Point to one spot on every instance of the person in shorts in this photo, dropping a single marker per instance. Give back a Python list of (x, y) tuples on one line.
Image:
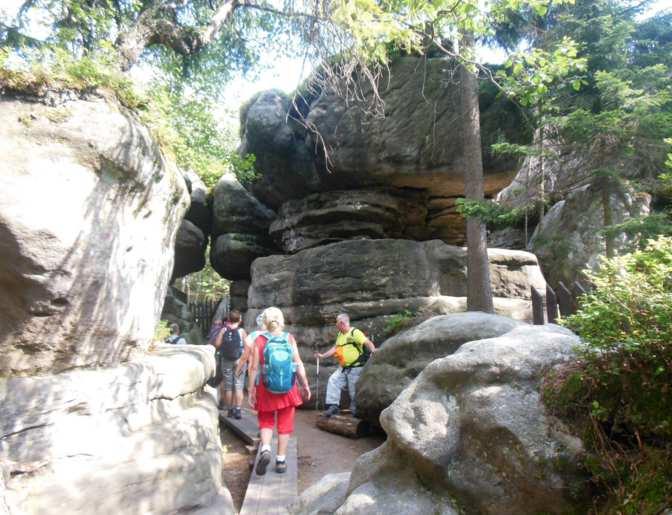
[(232, 369)]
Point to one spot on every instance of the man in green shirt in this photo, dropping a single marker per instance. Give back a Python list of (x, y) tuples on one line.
[(350, 350)]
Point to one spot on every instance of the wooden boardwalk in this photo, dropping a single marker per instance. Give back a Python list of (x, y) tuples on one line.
[(247, 428), (271, 493)]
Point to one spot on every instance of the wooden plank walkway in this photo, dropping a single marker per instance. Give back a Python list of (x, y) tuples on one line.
[(273, 493), (247, 428)]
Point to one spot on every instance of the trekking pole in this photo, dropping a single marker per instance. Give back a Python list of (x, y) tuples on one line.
[(317, 388)]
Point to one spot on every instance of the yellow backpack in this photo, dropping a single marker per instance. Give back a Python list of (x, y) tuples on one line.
[(352, 354)]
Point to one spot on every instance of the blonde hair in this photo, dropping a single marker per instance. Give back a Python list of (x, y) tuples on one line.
[(273, 319)]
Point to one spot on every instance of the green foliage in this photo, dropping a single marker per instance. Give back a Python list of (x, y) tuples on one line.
[(162, 331), (530, 76), (203, 285), (617, 395), (189, 134), (398, 322), (55, 68), (493, 214), (185, 127), (641, 230)]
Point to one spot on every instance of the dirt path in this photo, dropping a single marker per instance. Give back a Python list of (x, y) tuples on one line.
[(320, 453)]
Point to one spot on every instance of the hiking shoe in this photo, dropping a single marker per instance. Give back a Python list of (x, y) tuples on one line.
[(229, 412), (331, 411), (237, 414), (280, 466), (262, 464)]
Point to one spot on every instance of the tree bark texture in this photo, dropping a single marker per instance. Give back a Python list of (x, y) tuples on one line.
[(479, 292), (158, 25)]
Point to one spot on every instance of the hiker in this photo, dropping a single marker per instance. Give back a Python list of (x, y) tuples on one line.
[(275, 392), (260, 329), (175, 338), (230, 343), (215, 328), (352, 350)]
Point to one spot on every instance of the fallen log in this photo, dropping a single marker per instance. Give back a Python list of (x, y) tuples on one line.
[(345, 425)]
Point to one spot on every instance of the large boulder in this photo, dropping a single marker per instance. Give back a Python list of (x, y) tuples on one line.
[(471, 435), (570, 238), (239, 230), (416, 144), (231, 255), (138, 438), (200, 210), (325, 496), (374, 280), (283, 152), (324, 218), (88, 220), (190, 245), (401, 358)]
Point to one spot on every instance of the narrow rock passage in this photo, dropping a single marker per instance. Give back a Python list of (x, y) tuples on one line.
[(319, 453)]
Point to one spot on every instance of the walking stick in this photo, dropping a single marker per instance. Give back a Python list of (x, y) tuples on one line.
[(317, 388)]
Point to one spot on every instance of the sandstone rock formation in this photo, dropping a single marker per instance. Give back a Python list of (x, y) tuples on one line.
[(139, 438), (326, 496), (471, 435), (376, 279), (405, 355), (192, 235), (190, 245), (416, 144), (200, 210), (91, 418), (570, 237), (83, 274), (324, 218), (413, 152), (240, 229)]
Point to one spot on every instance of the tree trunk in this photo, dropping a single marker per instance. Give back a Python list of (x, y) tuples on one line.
[(158, 24), (608, 220), (479, 292)]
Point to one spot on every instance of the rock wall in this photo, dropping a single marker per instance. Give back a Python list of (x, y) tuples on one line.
[(373, 280), (88, 221), (138, 438), (395, 174), (90, 421), (570, 238)]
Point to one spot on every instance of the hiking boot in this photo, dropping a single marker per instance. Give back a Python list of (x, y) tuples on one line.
[(237, 413), (331, 411), (229, 413), (262, 464), (280, 466)]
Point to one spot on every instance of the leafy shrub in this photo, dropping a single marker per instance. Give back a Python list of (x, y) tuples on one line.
[(618, 394), (398, 322), (161, 331)]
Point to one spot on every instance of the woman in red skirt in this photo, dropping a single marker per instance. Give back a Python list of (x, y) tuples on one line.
[(269, 404)]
